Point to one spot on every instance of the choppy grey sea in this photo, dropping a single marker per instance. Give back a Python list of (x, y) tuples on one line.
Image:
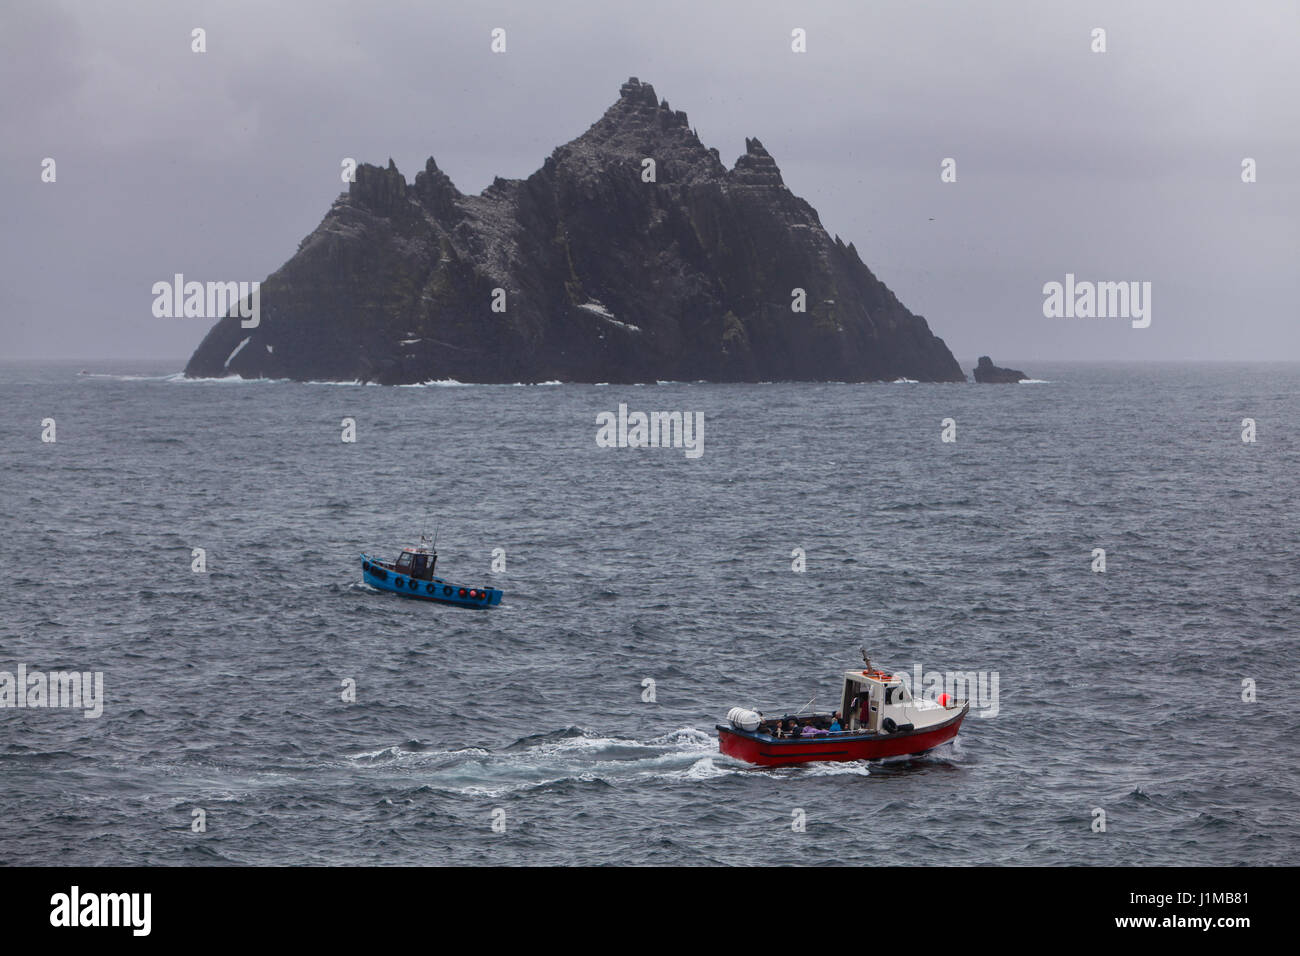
[(1160, 692)]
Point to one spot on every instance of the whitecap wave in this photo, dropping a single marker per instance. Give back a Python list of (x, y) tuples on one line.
[(702, 769), (180, 378), (842, 768), (126, 378)]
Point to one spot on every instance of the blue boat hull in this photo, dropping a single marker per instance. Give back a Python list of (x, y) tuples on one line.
[(384, 578)]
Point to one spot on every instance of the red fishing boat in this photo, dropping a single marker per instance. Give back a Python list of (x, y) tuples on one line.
[(878, 717)]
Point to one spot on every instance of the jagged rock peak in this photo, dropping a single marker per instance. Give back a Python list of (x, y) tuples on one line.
[(756, 167), (637, 93), (383, 189), (436, 191), (638, 104), (637, 126)]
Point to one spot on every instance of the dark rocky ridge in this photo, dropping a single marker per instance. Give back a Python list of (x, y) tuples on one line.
[(989, 374), (608, 278)]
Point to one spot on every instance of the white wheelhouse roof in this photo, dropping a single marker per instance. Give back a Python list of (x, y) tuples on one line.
[(867, 678)]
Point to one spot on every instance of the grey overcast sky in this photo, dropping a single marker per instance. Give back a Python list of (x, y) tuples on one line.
[(1123, 165)]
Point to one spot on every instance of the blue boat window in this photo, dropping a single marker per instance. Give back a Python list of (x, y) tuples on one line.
[(404, 561)]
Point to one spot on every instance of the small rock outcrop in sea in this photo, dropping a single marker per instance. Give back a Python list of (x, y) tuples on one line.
[(988, 373), (632, 255)]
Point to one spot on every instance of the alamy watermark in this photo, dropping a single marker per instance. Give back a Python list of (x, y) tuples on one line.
[(128, 910), (73, 689), (179, 299), (979, 687), (654, 430), (1098, 300)]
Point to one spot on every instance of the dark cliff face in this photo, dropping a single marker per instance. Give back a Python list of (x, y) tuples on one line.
[(607, 278)]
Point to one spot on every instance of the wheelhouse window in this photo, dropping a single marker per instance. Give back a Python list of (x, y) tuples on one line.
[(404, 561)]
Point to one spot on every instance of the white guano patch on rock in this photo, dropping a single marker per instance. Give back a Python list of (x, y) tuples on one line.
[(238, 348), (598, 310)]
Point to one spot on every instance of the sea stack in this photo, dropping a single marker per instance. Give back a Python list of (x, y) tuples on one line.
[(989, 374), (632, 255)]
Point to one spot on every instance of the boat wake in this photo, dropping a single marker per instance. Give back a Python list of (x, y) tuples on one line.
[(548, 760)]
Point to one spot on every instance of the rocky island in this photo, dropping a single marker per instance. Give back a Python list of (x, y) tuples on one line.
[(989, 374), (633, 255)]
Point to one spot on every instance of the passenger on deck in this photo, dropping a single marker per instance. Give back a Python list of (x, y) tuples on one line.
[(835, 724)]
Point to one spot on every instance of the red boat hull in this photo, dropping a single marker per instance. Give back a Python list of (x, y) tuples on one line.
[(769, 752)]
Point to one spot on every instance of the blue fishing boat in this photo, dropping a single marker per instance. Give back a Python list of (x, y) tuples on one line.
[(411, 575)]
